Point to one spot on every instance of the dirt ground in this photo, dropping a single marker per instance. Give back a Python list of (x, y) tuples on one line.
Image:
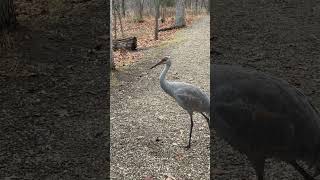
[(148, 129), (54, 97), (277, 37)]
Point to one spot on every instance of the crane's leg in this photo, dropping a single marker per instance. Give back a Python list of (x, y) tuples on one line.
[(208, 120), (301, 170), (190, 134), (258, 165)]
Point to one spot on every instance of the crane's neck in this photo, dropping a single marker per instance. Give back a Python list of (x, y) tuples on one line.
[(165, 85)]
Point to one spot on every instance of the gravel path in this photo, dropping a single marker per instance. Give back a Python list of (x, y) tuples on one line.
[(148, 129)]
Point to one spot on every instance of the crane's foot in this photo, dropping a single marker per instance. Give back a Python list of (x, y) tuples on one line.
[(187, 147)]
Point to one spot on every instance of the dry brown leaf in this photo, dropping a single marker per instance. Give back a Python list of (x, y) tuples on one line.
[(149, 178)]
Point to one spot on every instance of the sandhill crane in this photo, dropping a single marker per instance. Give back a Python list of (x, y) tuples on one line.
[(189, 97), (264, 117)]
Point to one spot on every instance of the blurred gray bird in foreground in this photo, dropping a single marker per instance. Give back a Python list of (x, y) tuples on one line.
[(264, 117), (189, 97)]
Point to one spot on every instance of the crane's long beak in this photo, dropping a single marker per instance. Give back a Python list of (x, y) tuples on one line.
[(156, 64)]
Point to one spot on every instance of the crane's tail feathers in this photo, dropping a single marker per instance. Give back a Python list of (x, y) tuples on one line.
[(208, 120)]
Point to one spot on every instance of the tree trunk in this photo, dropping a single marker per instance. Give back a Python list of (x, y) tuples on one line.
[(180, 13), (196, 6), (112, 64), (141, 9), (115, 23), (157, 10), (138, 10), (190, 4), (7, 14), (150, 8), (202, 4), (123, 8), (117, 12)]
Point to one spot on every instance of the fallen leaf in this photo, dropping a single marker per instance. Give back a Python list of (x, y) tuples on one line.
[(149, 178)]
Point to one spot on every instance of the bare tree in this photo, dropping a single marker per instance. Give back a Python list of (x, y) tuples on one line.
[(150, 6), (117, 14), (180, 13), (196, 6), (138, 10), (112, 64), (123, 7), (189, 3), (202, 4), (7, 14), (114, 19), (157, 10)]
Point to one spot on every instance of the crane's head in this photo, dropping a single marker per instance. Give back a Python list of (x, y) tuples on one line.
[(165, 60)]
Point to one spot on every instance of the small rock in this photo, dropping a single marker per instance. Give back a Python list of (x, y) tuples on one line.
[(62, 113), (140, 137), (169, 177), (160, 118), (27, 37)]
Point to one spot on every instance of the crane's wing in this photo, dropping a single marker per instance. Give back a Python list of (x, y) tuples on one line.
[(192, 98), (280, 103), (263, 129)]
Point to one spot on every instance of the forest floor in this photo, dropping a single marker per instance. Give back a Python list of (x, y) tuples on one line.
[(54, 92), (148, 129), (144, 32), (280, 38)]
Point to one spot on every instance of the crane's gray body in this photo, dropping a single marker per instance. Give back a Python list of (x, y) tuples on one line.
[(262, 116), (189, 97)]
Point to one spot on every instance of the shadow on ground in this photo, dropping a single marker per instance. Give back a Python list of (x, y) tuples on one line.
[(54, 97)]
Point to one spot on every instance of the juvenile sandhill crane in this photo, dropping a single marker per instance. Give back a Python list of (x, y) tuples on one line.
[(264, 117), (189, 97)]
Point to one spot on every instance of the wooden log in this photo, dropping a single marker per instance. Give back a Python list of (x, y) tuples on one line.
[(126, 43)]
